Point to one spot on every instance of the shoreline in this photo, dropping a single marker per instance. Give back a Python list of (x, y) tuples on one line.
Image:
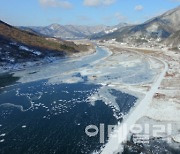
[(135, 113), (29, 74), (47, 60), (111, 145)]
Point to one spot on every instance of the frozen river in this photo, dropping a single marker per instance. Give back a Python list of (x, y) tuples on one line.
[(46, 109)]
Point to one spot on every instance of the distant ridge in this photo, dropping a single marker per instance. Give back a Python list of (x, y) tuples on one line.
[(160, 29), (72, 31), (22, 48), (35, 40)]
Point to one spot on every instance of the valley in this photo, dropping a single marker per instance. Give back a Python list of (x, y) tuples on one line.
[(77, 89)]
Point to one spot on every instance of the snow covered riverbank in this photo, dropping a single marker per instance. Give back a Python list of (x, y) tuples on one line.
[(160, 105)]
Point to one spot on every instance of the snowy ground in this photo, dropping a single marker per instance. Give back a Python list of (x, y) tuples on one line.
[(161, 104)]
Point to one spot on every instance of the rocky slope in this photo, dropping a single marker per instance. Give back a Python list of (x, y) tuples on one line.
[(174, 40), (18, 47), (152, 31)]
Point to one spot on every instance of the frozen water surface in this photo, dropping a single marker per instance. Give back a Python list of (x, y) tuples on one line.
[(54, 103)]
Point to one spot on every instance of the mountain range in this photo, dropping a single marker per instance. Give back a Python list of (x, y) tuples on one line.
[(163, 29), (72, 31), (19, 46), (27, 44)]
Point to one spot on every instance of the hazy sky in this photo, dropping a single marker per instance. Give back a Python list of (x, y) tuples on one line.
[(85, 12)]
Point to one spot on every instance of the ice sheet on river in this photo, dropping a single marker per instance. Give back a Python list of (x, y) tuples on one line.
[(116, 70), (78, 89)]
